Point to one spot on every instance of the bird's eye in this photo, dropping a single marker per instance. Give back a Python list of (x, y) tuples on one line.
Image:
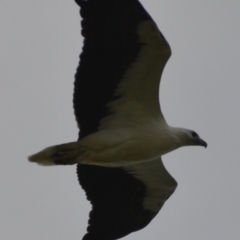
[(194, 134)]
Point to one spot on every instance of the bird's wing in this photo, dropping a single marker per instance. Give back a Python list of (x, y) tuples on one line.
[(126, 199), (123, 56)]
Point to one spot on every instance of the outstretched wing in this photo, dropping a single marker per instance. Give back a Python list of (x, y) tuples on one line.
[(121, 63), (125, 199)]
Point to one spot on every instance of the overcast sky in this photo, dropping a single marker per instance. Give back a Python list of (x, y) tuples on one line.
[(39, 47)]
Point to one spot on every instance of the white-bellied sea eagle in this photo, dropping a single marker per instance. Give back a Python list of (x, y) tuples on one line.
[(122, 132)]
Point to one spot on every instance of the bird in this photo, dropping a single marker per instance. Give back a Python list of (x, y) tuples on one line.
[(122, 131)]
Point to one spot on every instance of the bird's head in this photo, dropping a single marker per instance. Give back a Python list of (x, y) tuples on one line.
[(188, 137)]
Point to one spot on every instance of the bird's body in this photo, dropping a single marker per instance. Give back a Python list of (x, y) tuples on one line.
[(123, 133), (125, 146)]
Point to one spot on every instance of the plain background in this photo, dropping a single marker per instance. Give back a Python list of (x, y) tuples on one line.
[(39, 47)]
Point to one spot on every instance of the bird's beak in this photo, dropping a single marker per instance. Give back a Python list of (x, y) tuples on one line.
[(201, 142)]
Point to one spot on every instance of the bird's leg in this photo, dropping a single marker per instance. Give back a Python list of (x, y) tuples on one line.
[(64, 154)]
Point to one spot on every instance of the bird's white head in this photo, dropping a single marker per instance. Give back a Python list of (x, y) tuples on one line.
[(186, 137)]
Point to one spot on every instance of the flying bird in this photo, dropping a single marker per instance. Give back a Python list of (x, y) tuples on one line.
[(122, 131)]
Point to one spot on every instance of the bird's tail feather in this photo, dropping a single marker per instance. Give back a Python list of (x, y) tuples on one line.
[(63, 154)]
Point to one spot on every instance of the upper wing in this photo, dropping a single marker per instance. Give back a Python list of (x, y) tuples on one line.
[(121, 63), (124, 199)]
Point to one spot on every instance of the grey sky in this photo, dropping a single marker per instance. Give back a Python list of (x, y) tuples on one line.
[(40, 43)]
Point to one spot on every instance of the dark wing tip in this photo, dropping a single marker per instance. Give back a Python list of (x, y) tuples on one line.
[(80, 2)]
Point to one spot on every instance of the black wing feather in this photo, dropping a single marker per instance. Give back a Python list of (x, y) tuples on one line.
[(116, 198), (110, 46)]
